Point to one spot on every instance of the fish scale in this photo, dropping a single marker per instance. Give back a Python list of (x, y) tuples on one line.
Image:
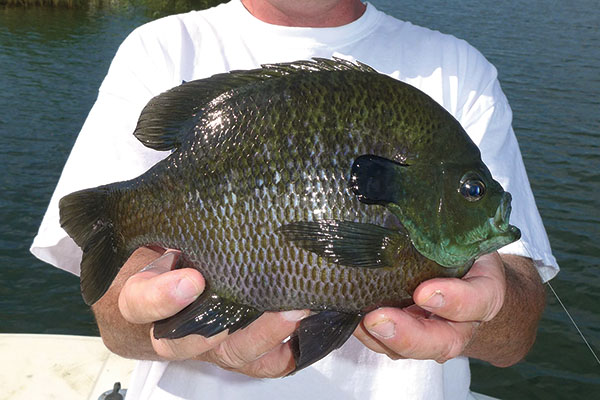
[(317, 184)]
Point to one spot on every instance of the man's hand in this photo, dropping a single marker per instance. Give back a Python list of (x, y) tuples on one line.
[(490, 314), (157, 292)]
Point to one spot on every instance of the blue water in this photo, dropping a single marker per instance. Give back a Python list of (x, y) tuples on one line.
[(548, 57), (51, 63)]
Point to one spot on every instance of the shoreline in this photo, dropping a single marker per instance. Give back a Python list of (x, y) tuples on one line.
[(152, 8)]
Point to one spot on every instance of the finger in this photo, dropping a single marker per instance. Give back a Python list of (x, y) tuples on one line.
[(276, 363), (259, 338), (375, 345), (213, 348), (191, 346), (418, 338), (479, 296), (362, 334), (156, 292)]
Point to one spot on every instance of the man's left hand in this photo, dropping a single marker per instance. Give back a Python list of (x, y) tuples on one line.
[(445, 317)]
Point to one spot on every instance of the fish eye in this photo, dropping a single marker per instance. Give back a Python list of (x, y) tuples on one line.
[(472, 189)]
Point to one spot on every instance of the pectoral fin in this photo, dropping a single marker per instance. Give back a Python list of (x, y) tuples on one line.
[(207, 316), (348, 243), (320, 334)]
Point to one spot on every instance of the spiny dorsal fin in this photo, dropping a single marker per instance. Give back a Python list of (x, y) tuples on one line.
[(318, 64), (168, 118)]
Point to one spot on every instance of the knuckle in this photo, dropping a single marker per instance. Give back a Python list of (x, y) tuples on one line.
[(452, 350), (461, 311), (394, 356), (269, 365), (267, 373), (445, 355), (125, 305), (193, 346), (455, 346), (135, 308), (167, 349), (143, 301), (267, 368), (154, 305), (494, 306), (268, 338), (229, 355), (408, 347), (271, 373)]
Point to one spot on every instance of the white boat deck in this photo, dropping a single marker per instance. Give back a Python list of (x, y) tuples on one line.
[(58, 367), (66, 367)]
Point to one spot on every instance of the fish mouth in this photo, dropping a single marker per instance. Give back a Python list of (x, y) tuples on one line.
[(499, 223)]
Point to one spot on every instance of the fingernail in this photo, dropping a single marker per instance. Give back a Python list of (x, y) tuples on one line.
[(383, 329), (294, 315), (436, 300), (186, 290)]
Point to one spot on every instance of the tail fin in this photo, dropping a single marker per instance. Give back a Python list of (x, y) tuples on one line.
[(85, 216)]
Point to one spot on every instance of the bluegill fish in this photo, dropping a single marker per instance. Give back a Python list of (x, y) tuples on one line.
[(315, 184)]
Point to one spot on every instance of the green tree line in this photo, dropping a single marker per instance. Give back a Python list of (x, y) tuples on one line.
[(153, 8)]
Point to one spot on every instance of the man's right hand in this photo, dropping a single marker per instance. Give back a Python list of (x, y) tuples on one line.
[(148, 290)]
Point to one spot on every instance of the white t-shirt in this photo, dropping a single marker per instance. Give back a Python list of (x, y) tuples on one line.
[(163, 53)]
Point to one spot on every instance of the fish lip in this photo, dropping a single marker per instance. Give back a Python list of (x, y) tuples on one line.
[(500, 222)]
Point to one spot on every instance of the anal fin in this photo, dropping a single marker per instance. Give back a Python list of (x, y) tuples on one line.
[(320, 334), (208, 315)]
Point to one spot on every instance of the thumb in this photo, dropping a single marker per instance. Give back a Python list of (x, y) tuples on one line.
[(157, 292), (478, 296)]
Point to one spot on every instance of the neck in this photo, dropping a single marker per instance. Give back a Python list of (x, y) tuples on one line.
[(306, 13)]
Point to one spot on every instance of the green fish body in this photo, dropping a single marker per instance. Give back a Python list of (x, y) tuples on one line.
[(316, 184)]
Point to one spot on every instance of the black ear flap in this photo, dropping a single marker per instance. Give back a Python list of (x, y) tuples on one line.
[(376, 180)]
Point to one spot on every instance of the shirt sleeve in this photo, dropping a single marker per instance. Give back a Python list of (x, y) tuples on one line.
[(105, 150), (487, 117)]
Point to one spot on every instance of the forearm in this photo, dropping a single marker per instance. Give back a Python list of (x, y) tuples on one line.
[(506, 339), (120, 336)]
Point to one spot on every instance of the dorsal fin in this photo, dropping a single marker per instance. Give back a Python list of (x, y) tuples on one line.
[(168, 117), (317, 64)]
